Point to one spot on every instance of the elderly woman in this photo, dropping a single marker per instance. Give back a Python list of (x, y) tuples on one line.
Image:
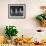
[(42, 17)]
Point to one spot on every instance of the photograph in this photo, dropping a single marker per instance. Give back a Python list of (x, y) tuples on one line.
[(22, 22), (16, 11)]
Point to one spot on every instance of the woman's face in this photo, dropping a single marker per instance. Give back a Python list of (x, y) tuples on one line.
[(44, 10)]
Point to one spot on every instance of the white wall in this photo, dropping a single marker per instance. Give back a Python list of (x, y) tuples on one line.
[(25, 26)]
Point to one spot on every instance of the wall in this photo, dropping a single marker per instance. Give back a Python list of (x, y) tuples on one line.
[(25, 26)]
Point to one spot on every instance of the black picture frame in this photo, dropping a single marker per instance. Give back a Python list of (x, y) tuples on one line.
[(16, 11)]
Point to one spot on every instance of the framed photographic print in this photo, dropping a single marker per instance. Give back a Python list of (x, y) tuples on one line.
[(16, 11)]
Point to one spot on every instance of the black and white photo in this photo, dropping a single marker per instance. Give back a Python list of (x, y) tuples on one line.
[(16, 11)]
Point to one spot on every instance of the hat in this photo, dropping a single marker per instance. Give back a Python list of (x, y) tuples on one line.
[(42, 7)]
